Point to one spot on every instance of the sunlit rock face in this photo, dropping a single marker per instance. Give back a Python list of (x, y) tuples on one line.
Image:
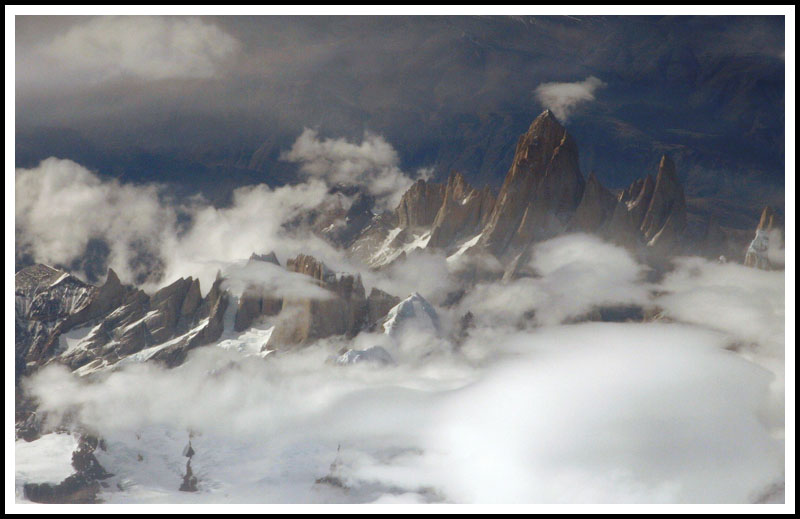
[(541, 190), (419, 205), (544, 195), (345, 311), (464, 211)]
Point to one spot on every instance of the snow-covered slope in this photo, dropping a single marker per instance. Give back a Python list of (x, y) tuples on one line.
[(413, 312)]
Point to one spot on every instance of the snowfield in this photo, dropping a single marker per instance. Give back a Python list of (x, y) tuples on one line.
[(684, 409)]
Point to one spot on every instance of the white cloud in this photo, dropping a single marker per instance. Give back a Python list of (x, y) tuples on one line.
[(564, 98), (577, 272), (253, 223), (373, 164), (60, 205), (594, 412), (147, 47), (273, 279), (747, 304), (584, 413)]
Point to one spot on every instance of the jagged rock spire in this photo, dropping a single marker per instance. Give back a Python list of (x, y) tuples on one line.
[(542, 189), (596, 207), (464, 211), (419, 205), (668, 203)]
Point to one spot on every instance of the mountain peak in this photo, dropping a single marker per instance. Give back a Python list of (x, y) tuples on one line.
[(667, 168), (767, 220), (546, 122), (541, 190), (267, 258)]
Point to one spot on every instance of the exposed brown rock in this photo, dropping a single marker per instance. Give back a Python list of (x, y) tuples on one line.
[(768, 230), (767, 220), (303, 320), (651, 212), (666, 214), (379, 303), (463, 213), (255, 301), (419, 205), (266, 258), (167, 303), (541, 190), (596, 207), (81, 487)]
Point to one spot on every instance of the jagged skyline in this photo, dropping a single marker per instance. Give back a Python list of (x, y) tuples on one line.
[(402, 260)]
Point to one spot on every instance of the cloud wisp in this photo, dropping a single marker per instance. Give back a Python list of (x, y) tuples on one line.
[(60, 206), (145, 47), (565, 98), (373, 163)]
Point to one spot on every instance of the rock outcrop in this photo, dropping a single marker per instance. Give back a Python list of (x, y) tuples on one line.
[(665, 219), (413, 312), (379, 303), (343, 311), (650, 212), (544, 194), (81, 487), (255, 300), (419, 205), (762, 251), (111, 322), (49, 302), (463, 213), (541, 190), (595, 208)]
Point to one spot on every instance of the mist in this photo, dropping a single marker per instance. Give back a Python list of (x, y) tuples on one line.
[(686, 409)]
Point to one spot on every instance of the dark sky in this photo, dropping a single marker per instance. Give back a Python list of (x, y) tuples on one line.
[(211, 103)]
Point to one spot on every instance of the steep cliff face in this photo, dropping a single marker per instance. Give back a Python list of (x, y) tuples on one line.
[(343, 312), (463, 213), (543, 195), (379, 303), (541, 190), (596, 207), (47, 302), (419, 205), (60, 318), (255, 300), (665, 219), (650, 212)]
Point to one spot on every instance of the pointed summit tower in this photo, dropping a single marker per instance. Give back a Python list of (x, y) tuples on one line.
[(541, 190)]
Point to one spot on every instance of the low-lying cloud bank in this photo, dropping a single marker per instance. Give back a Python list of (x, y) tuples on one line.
[(576, 272), (585, 413), (61, 208), (687, 411)]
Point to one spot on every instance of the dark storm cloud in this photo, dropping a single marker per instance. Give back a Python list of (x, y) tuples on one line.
[(187, 99)]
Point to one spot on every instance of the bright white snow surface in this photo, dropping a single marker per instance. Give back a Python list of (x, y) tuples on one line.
[(45, 460), (686, 411), (415, 312)]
